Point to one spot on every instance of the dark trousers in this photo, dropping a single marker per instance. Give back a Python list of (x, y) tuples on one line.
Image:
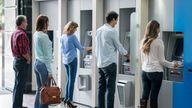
[(107, 82), (71, 70), (20, 67), (151, 85)]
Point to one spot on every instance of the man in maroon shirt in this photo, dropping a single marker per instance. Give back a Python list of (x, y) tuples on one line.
[(22, 58)]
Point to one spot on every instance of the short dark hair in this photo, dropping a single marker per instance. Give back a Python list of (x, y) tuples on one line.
[(20, 19), (111, 15), (41, 23)]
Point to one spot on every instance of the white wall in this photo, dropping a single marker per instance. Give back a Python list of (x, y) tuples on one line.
[(83, 97), (127, 3), (74, 13), (162, 11), (10, 15), (35, 13), (50, 9), (86, 4)]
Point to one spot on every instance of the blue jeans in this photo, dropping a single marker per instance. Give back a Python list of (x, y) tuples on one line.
[(107, 82), (71, 70), (20, 67), (41, 77)]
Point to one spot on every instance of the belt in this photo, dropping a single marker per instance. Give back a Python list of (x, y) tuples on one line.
[(19, 58)]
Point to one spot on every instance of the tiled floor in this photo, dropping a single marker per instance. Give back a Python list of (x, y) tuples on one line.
[(6, 102)]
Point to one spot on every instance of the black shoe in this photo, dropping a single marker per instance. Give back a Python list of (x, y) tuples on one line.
[(143, 103), (24, 107), (153, 104), (64, 101), (71, 105)]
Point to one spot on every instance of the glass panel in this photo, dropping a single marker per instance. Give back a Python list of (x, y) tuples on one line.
[(86, 38)]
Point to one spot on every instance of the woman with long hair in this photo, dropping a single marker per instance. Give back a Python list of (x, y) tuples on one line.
[(153, 60), (69, 44), (43, 56)]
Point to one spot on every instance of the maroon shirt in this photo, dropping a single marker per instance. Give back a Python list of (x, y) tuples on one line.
[(20, 44)]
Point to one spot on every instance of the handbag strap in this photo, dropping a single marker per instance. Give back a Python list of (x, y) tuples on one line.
[(50, 80)]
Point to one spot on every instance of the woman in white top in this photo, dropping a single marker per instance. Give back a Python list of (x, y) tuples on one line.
[(153, 60)]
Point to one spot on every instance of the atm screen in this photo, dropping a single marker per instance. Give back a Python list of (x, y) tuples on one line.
[(50, 34), (88, 39), (179, 47)]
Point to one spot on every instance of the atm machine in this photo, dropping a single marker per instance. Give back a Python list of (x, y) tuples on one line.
[(173, 49), (126, 66), (178, 41), (127, 35), (174, 42), (84, 92), (85, 60)]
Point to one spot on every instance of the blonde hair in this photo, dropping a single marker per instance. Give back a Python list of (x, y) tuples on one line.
[(150, 35), (70, 27)]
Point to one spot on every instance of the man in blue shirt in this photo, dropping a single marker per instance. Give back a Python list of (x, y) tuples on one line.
[(107, 45)]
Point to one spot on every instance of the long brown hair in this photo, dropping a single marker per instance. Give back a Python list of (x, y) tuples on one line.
[(151, 33), (42, 23), (70, 27)]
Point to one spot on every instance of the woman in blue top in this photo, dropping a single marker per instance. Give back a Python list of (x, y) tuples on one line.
[(43, 56), (69, 44)]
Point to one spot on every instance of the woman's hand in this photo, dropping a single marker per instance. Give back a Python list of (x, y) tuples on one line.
[(176, 64), (88, 48), (127, 56), (50, 75)]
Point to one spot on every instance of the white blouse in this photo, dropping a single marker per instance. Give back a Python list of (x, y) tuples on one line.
[(155, 61)]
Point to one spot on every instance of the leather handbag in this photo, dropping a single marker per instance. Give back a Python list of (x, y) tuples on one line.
[(50, 93)]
